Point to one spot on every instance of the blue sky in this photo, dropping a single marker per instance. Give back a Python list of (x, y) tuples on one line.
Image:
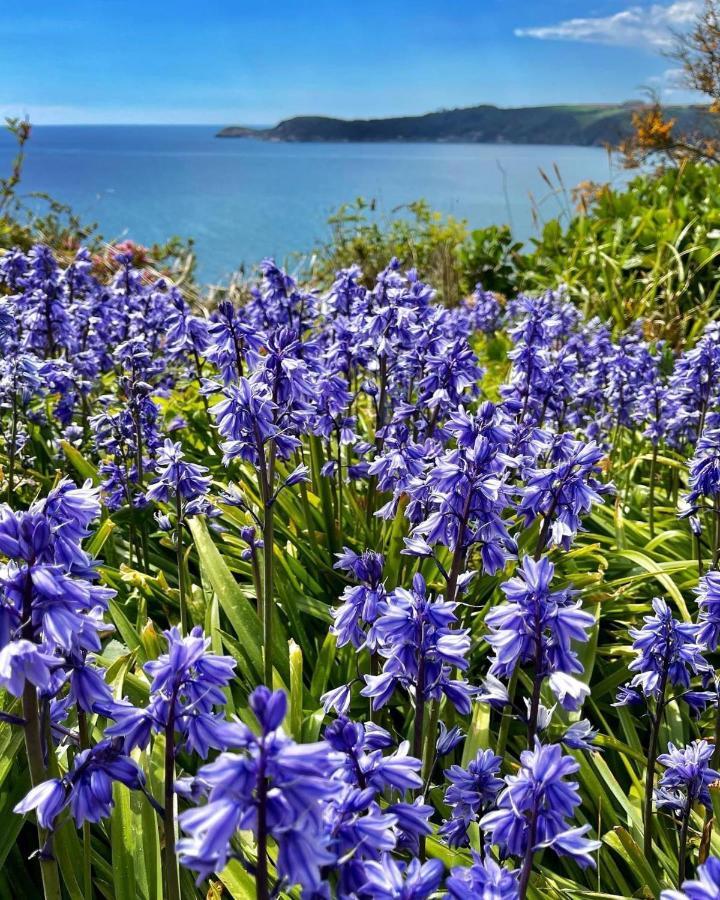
[(240, 61)]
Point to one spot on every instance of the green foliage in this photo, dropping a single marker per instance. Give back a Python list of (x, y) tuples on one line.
[(489, 256), (647, 251), (415, 234)]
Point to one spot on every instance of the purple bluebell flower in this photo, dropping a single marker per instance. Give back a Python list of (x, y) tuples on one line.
[(272, 787), (667, 653), (580, 736), (86, 788), (390, 879), (462, 500), (448, 740), (472, 792), (539, 626), (708, 594), (248, 418), (561, 494), (483, 880), (359, 830), (534, 809), (363, 762), (693, 389), (704, 477), (186, 692), (233, 342), (50, 608), (686, 778), (176, 477), (706, 886), (419, 638), (361, 604), (21, 661), (483, 311), (126, 432)]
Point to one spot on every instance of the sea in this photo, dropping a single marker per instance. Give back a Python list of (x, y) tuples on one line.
[(244, 199)]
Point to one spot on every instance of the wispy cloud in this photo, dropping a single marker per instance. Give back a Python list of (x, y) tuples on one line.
[(637, 26)]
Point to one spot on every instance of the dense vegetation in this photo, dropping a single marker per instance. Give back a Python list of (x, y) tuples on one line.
[(336, 589)]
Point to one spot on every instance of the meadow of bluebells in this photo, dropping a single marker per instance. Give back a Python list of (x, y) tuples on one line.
[(336, 591)]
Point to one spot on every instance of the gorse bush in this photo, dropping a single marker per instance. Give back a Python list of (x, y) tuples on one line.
[(348, 593)]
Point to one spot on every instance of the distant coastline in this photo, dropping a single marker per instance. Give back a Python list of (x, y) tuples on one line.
[(593, 125)]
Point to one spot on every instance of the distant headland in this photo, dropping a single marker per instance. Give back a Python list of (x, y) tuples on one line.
[(592, 125)]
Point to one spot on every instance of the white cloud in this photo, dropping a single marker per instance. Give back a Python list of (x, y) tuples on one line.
[(671, 88), (669, 79), (637, 26)]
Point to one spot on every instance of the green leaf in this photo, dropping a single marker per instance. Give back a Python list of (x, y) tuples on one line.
[(123, 836), (662, 576), (295, 718), (623, 843), (82, 466), (234, 604), (323, 666), (240, 884), (126, 628), (478, 736)]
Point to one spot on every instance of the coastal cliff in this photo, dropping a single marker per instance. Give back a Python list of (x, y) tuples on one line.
[(592, 125)]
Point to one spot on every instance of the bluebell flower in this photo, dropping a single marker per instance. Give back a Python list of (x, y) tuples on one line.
[(667, 653), (86, 788), (693, 389), (539, 626), (273, 782), (419, 637), (484, 310), (412, 823), (185, 332), (704, 477), (536, 806), (706, 886), (233, 343), (493, 692), (361, 604), (358, 830), (708, 594), (363, 762), (472, 792), (686, 778), (186, 691), (463, 499), (580, 736), (483, 880), (448, 740), (176, 477), (390, 879), (248, 418), (22, 661), (563, 493), (50, 608)]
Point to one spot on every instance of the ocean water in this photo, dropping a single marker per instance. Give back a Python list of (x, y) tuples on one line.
[(242, 200)]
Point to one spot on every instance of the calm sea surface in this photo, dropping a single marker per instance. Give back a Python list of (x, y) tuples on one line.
[(242, 200)]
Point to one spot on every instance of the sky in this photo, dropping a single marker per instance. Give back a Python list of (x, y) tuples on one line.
[(244, 62)]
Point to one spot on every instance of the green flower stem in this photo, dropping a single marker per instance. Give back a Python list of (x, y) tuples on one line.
[(182, 587), (33, 748), (87, 851)]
